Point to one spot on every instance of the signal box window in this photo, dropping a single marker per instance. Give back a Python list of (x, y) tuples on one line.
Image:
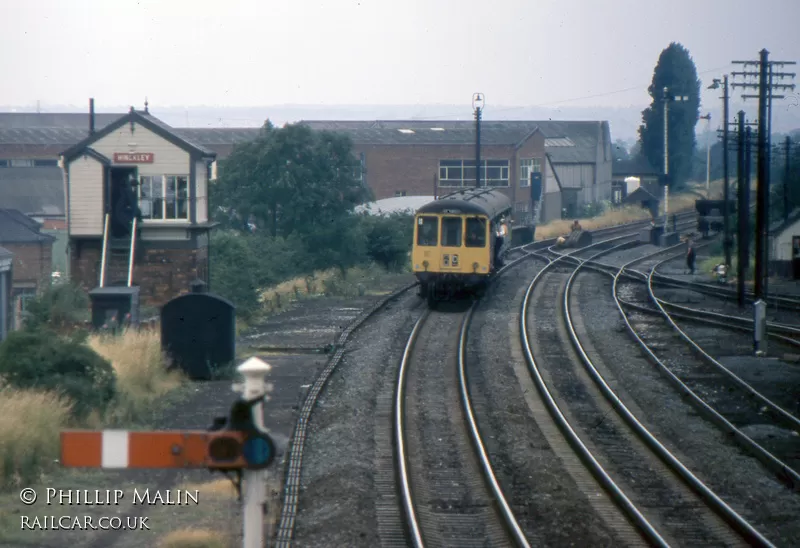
[(476, 233), (427, 231), (451, 232)]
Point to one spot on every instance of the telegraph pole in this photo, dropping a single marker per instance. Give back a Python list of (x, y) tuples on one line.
[(477, 104), (743, 236), (726, 241), (786, 207), (765, 96)]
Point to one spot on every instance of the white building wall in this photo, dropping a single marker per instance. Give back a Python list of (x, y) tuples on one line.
[(85, 196)]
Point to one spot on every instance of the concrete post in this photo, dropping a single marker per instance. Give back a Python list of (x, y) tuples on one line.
[(255, 481), (760, 327)]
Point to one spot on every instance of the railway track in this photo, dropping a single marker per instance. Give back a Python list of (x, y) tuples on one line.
[(616, 447), (720, 395), (295, 450), (449, 491)]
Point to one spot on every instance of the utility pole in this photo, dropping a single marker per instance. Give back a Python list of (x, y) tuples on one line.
[(743, 236), (477, 105), (786, 206), (726, 241), (765, 96)]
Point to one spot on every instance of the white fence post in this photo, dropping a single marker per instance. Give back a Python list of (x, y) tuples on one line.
[(255, 481)]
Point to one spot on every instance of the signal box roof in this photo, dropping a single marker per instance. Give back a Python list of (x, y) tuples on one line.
[(480, 201)]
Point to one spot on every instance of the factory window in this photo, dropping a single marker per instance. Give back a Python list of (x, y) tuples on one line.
[(427, 230), (462, 172), (4, 163), (45, 163), (164, 197), (526, 167), (399, 193), (451, 231), (476, 232), (522, 207), (21, 163)]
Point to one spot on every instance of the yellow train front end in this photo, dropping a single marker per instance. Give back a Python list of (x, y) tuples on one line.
[(451, 253)]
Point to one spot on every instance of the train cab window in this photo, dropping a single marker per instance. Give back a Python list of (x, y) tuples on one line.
[(427, 230), (476, 232), (451, 231)]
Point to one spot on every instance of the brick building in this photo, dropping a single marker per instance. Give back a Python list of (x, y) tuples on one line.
[(407, 156), (32, 254), (138, 161), (398, 157)]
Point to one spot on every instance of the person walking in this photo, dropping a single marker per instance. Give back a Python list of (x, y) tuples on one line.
[(690, 257)]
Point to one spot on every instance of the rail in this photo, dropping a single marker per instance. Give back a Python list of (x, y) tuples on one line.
[(133, 247), (105, 250), (780, 469)]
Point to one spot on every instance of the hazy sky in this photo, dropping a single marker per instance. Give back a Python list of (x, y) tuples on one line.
[(267, 52)]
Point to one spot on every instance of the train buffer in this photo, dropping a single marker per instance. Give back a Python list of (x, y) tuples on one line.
[(237, 444)]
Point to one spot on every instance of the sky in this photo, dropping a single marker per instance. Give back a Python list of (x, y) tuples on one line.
[(378, 52)]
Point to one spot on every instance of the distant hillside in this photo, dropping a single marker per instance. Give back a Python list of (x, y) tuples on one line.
[(624, 121)]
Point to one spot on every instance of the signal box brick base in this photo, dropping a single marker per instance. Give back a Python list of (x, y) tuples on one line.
[(161, 274)]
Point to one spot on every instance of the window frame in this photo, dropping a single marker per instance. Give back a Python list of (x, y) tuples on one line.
[(484, 241), (526, 167), (163, 198), (460, 231), (462, 166), (424, 218)]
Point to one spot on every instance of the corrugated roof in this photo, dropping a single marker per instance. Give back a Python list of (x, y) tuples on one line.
[(571, 141), (5, 254), (65, 120), (13, 230), (32, 189), (566, 141)]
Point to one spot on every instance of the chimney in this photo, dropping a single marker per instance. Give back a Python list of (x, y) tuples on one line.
[(91, 116)]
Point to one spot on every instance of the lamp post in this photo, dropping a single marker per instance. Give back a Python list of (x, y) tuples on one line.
[(477, 106), (667, 99), (726, 242)]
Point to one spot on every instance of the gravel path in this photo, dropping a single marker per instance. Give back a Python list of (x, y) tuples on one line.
[(337, 503), (738, 478)]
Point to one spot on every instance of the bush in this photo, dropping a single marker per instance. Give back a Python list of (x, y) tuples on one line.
[(41, 359), (57, 307), (389, 239)]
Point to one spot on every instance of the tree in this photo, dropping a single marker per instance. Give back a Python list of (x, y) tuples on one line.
[(675, 71), (620, 150), (290, 179)]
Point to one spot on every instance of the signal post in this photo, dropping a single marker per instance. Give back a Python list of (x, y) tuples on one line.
[(235, 444)]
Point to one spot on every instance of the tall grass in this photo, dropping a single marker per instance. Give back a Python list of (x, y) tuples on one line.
[(354, 282), (142, 371), (30, 420)]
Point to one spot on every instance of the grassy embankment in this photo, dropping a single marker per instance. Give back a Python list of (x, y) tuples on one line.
[(30, 420), (677, 202)]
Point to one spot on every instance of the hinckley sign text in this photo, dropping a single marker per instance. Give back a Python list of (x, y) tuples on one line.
[(133, 157)]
